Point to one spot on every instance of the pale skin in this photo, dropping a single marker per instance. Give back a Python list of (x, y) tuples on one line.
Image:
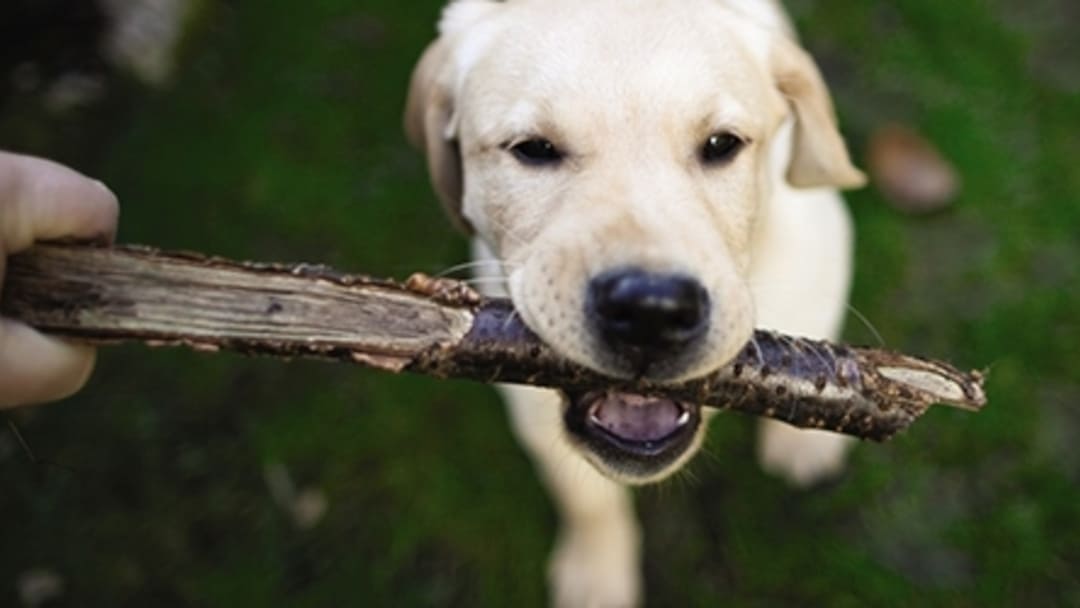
[(41, 200)]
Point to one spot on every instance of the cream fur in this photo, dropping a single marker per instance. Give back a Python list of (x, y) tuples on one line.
[(629, 90)]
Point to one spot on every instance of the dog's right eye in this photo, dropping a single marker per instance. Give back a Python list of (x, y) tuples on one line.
[(720, 148), (536, 151)]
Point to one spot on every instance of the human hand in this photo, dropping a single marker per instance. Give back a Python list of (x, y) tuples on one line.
[(42, 200)]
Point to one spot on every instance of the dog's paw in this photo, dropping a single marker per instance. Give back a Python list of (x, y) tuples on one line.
[(595, 568), (802, 457)]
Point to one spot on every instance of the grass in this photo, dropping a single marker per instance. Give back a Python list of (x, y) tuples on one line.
[(281, 140)]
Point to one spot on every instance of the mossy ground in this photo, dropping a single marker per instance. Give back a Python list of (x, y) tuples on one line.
[(280, 140)]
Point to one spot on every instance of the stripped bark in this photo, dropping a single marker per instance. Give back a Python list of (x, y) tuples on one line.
[(440, 327)]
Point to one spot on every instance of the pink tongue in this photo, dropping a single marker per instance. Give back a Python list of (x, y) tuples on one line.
[(636, 418)]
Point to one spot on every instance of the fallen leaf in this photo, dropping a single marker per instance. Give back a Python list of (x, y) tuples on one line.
[(910, 171), (38, 586)]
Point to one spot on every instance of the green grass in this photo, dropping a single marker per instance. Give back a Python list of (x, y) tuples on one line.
[(281, 140)]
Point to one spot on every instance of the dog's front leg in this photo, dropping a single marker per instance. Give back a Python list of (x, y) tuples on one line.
[(596, 557)]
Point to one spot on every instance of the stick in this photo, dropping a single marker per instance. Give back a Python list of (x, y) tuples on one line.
[(442, 328)]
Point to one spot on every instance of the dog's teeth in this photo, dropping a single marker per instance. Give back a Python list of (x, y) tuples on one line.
[(593, 418), (683, 419)]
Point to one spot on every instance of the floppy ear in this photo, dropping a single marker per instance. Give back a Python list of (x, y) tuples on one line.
[(430, 126), (819, 156), (430, 113)]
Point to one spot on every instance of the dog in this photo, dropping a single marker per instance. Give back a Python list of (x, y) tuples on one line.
[(648, 181)]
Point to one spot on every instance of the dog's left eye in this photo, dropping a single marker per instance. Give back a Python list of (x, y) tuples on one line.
[(720, 148), (536, 151)]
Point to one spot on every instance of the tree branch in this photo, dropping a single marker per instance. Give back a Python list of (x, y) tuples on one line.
[(440, 327)]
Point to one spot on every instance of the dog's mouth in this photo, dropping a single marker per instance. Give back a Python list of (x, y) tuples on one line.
[(635, 436), (643, 424)]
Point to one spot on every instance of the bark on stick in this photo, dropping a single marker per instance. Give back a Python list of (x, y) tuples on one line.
[(440, 327)]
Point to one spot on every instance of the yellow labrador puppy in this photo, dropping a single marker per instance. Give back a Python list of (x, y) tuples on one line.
[(648, 180)]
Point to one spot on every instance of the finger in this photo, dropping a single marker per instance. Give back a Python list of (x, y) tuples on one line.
[(35, 368), (42, 200)]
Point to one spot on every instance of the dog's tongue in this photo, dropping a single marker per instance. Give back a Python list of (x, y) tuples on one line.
[(636, 417)]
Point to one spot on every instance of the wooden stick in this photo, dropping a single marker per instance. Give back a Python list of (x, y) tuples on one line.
[(439, 327)]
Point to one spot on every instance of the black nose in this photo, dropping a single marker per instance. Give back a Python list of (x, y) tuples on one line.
[(647, 311)]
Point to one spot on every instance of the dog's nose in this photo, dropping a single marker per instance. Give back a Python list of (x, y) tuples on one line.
[(647, 311)]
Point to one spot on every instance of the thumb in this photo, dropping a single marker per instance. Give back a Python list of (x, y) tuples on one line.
[(35, 368)]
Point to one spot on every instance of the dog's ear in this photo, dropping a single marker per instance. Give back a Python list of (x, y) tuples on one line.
[(819, 156), (430, 113), (429, 124)]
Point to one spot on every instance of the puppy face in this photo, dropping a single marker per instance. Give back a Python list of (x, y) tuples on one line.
[(615, 158)]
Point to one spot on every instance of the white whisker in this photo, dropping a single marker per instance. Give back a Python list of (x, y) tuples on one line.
[(866, 323), (498, 265), (863, 320), (460, 267), (757, 349), (509, 319), (828, 365), (505, 230)]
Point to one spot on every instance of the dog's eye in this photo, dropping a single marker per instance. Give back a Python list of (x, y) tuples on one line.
[(536, 151), (720, 148)]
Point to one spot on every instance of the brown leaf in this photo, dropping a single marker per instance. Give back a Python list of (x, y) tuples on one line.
[(909, 170)]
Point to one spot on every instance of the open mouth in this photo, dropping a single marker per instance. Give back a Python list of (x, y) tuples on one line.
[(635, 434)]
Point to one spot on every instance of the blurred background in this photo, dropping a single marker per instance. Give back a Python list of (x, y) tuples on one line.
[(270, 131)]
